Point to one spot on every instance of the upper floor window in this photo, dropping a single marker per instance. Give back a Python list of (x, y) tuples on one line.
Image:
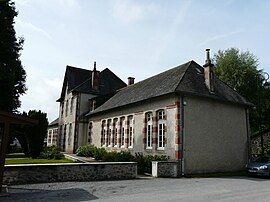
[(149, 129), (161, 128), (62, 109), (67, 107), (71, 105)]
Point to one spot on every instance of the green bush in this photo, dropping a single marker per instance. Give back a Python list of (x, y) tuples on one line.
[(51, 153), (124, 156), (98, 153), (145, 162), (110, 156), (86, 150)]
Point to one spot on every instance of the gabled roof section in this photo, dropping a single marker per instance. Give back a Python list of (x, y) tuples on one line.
[(187, 78), (55, 122), (79, 80)]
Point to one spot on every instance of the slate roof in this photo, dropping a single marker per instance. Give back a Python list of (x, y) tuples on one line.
[(79, 80), (187, 78), (55, 122)]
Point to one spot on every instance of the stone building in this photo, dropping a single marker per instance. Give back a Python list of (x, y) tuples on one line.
[(185, 112), (79, 86), (52, 133)]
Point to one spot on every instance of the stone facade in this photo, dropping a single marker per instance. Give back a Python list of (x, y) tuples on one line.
[(112, 124), (166, 169), (42, 173)]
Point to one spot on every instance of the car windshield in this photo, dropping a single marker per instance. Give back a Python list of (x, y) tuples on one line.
[(263, 160)]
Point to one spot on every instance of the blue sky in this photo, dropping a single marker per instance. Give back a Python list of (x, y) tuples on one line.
[(132, 38)]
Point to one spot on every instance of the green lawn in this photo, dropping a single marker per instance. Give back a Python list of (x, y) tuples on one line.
[(10, 161)]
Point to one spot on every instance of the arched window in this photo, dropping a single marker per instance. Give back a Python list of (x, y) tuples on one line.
[(103, 132), (122, 132), (114, 133), (161, 128), (109, 138), (130, 131), (149, 130), (89, 138)]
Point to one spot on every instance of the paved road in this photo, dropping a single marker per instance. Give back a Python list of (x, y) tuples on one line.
[(184, 189)]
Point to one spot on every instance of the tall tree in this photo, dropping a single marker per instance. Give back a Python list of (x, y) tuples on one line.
[(12, 74), (240, 70)]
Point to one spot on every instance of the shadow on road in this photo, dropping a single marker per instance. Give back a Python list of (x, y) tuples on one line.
[(75, 194)]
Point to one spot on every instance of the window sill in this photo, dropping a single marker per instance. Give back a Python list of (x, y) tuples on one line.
[(131, 147), (149, 148), (115, 146), (160, 148)]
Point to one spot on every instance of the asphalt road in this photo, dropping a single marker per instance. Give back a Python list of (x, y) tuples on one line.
[(183, 189)]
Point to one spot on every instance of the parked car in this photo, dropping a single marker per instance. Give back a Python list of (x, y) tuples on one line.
[(259, 167)]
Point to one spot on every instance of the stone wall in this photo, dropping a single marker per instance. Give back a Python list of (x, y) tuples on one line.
[(166, 169), (40, 173)]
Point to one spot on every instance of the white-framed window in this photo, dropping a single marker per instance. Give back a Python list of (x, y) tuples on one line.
[(67, 107), (103, 132), (122, 132), (109, 137), (114, 138), (71, 105), (149, 129), (89, 138), (69, 133), (161, 129), (130, 131)]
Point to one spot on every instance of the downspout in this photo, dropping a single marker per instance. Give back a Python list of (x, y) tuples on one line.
[(182, 134)]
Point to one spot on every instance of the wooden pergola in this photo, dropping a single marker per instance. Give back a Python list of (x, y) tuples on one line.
[(7, 119)]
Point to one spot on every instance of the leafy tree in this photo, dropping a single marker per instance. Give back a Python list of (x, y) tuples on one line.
[(240, 71), (36, 134), (12, 74)]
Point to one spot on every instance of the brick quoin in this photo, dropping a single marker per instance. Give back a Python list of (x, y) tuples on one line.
[(177, 140), (178, 154), (177, 128)]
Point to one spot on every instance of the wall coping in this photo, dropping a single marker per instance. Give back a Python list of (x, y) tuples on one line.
[(69, 164)]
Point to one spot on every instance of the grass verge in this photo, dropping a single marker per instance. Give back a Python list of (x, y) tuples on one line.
[(11, 161)]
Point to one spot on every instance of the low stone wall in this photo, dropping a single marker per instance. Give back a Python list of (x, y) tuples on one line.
[(40, 173), (166, 169)]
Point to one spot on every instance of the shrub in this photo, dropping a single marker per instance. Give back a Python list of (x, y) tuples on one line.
[(124, 156), (145, 162), (98, 153), (110, 156), (86, 150), (51, 153)]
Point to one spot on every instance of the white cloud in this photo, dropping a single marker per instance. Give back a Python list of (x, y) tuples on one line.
[(33, 28), (218, 37), (129, 11)]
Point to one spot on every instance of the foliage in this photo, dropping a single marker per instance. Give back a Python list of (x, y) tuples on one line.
[(123, 156), (86, 150), (12, 74), (145, 162), (98, 153), (240, 71), (51, 153), (35, 135)]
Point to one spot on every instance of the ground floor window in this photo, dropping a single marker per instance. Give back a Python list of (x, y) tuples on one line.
[(161, 135)]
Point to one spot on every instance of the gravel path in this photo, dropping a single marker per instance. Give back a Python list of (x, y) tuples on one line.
[(151, 189)]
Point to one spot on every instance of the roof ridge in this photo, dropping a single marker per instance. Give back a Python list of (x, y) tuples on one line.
[(183, 74), (72, 67)]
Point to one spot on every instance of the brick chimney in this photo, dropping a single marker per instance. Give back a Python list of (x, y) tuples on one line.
[(95, 78), (131, 80), (208, 72)]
